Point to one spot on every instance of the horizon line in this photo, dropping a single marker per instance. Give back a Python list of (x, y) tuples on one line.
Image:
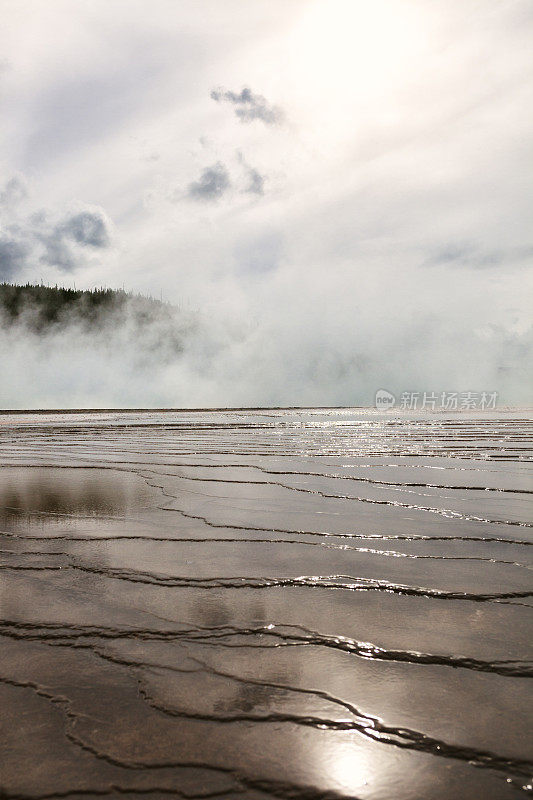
[(243, 408)]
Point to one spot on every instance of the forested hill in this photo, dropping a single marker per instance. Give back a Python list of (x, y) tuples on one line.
[(43, 307)]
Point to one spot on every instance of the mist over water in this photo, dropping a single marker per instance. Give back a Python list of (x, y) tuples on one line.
[(281, 354), (339, 191)]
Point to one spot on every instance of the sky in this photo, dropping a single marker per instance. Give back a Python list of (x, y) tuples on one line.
[(340, 190)]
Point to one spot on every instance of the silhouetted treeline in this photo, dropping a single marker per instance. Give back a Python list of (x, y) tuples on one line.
[(40, 307)]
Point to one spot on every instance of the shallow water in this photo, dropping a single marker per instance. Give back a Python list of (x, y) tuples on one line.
[(273, 603)]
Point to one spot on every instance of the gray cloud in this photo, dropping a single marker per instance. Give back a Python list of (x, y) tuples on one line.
[(217, 180), (256, 182), (212, 183), (41, 238), (13, 255), (475, 256), (57, 252), (249, 106), (87, 228), (14, 191)]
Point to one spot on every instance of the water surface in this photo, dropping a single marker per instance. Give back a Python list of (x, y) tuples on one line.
[(320, 603)]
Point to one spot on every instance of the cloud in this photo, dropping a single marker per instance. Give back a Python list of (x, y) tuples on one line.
[(470, 255), (218, 179), (259, 252), (256, 182), (64, 241), (402, 208), (212, 183), (249, 106), (89, 228), (57, 253), (13, 255), (14, 191)]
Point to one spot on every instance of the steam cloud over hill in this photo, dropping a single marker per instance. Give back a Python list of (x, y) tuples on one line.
[(106, 348), (87, 346)]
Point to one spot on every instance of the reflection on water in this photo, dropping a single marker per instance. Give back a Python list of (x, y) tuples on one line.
[(38, 492), (289, 604)]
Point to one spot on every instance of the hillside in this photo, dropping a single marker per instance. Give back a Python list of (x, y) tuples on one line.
[(41, 308)]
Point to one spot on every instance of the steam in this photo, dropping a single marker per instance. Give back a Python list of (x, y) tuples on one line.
[(173, 358), (370, 232)]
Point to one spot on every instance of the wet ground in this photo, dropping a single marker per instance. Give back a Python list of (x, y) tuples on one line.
[(269, 604)]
